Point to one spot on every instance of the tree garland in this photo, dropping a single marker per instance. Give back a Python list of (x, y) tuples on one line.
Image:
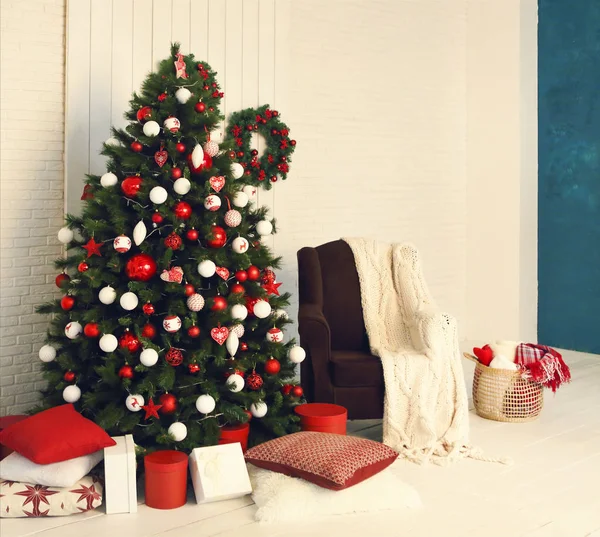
[(274, 164)]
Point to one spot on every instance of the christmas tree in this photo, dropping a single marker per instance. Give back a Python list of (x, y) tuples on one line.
[(171, 321)]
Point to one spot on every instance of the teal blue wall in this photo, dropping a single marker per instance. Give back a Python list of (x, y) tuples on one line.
[(569, 174)]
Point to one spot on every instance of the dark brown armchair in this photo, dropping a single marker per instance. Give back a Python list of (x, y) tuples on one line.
[(339, 367)]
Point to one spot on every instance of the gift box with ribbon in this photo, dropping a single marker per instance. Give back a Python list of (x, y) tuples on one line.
[(219, 473)]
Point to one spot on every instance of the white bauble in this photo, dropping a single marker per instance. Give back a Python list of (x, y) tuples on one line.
[(183, 95), (233, 218), (282, 314), (232, 343), (274, 335), (108, 343), (211, 148), (148, 357), (172, 323), (264, 227), (240, 199), (65, 235), (73, 329), (182, 186), (207, 268), (240, 245), (122, 244), (112, 141), (239, 311), (134, 402), (238, 329), (197, 155), (212, 202), (237, 170), (250, 191), (297, 354), (108, 179), (129, 301), (139, 233), (178, 431), (172, 124), (71, 394), (235, 383), (262, 309), (195, 302), (151, 128), (47, 353), (205, 404), (107, 295), (259, 409), (158, 194)]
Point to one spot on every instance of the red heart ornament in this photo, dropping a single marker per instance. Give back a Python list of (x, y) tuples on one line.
[(223, 272), (161, 157), (220, 334), (174, 274), (217, 182), (485, 355)]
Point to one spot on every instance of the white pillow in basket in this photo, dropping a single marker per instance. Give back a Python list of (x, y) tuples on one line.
[(282, 499)]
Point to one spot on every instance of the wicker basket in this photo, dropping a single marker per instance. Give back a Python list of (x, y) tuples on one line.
[(503, 395)]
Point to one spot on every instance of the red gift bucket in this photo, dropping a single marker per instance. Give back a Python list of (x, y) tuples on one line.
[(230, 434), (166, 479), (323, 417)]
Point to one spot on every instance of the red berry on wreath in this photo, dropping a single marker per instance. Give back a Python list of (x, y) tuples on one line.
[(62, 279), (174, 357), (162, 97), (253, 273), (189, 289), (173, 241), (82, 267), (273, 178), (214, 84), (168, 403), (286, 389), (231, 154), (180, 148), (200, 107), (157, 218), (136, 147), (272, 366), (297, 391), (193, 368), (192, 234), (176, 173), (240, 154), (254, 152), (275, 113), (69, 376), (91, 330), (126, 372), (237, 288), (193, 331), (219, 303), (254, 381), (67, 302), (148, 331), (148, 308), (292, 142), (241, 275), (243, 346)]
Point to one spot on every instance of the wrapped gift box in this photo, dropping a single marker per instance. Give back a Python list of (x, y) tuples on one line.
[(219, 473), (120, 476)]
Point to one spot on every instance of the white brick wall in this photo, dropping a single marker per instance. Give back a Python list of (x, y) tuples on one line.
[(32, 184)]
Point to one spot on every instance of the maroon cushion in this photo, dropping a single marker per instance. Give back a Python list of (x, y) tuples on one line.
[(355, 368), (332, 461)]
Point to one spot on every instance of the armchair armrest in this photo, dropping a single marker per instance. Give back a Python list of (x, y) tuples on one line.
[(436, 332)]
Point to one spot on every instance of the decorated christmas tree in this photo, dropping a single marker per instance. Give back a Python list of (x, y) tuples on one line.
[(171, 322)]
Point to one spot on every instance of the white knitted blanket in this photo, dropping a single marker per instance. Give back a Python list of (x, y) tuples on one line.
[(426, 406)]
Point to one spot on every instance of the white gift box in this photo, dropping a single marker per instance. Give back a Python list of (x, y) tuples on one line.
[(219, 473), (119, 476)]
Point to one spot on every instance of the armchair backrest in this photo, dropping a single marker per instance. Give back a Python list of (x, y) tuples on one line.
[(327, 277)]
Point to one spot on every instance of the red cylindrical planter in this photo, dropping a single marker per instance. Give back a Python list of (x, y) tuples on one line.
[(230, 434), (323, 417), (166, 479)]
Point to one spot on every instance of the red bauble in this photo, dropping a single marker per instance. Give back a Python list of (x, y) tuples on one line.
[(180, 148), (204, 165), (140, 268), (182, 210), (193, 331), (131, 185), (237, 288), (82, 267), (218, 237), (192, 234), (173, 241), (254, 381), (157, 218), (176, 173), (168, 402), (69, 376), (144, 113), (250, 301), (240, 154), (193, 368), (231, 154), (272, 366), (189, 289), (253, 273), (200, 107), (91, 330), (286, 389), (126, 372), (162, 97), (268, 276), (67, 302), (249, 414), (130, 342), (219, 303), (136, 147), (243, 346), (292, 143), (174, 357), (62, 279), (148, 308), (297, 391), (148, 331), (241, 275)]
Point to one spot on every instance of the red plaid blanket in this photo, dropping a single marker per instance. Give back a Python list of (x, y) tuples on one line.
[(543, 364)]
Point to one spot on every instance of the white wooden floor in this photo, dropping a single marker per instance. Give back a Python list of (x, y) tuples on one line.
[(553, 489)]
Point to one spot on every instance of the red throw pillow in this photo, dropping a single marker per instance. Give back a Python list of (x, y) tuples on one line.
[(55, 435), (332, 461)]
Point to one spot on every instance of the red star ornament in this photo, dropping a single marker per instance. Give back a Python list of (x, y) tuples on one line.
[(93, 248), (271, 288), (151, 409)]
